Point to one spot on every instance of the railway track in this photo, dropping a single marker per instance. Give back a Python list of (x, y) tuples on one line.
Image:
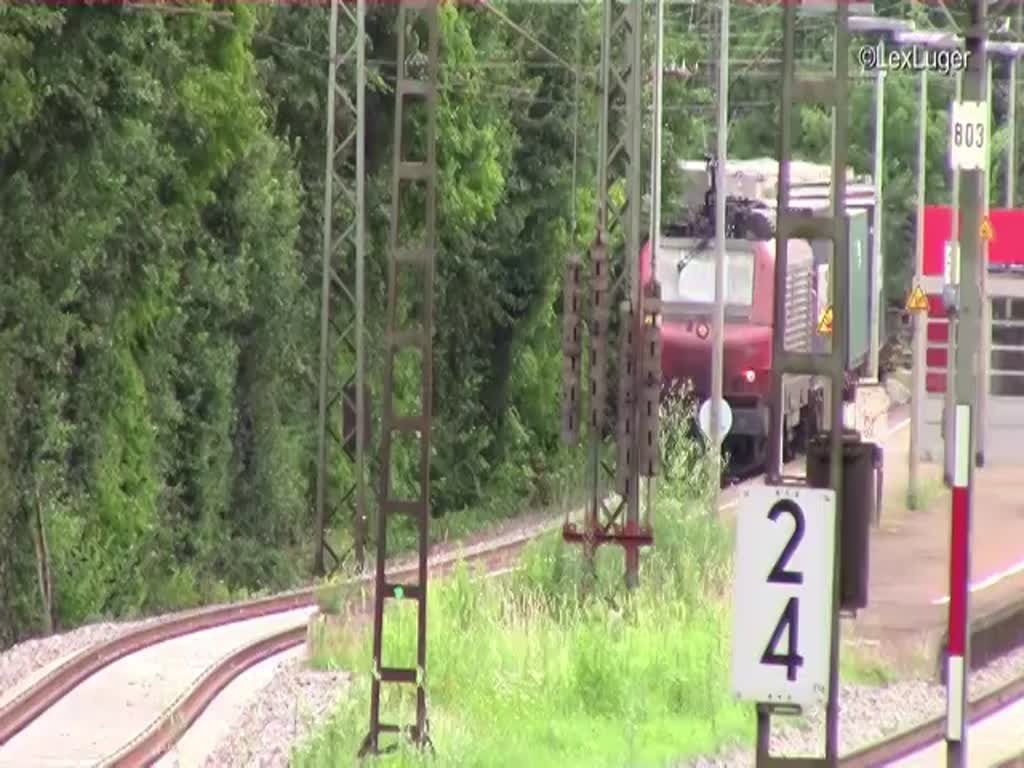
[(924, 745), (173, 720)]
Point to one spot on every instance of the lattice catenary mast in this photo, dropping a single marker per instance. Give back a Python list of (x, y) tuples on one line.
[(342, 306), (619, 161)]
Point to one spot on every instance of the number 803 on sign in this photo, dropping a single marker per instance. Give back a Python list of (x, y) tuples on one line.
[(969, 135), (782, 623)]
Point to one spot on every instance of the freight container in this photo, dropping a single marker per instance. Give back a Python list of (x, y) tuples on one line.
[(860, 289)]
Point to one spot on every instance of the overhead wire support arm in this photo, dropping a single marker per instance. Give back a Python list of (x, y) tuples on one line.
[(342, 293)]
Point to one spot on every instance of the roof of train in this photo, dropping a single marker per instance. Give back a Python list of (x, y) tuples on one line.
[(758, 179)]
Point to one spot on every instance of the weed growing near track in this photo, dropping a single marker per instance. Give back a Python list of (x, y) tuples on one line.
[(863, 665), (524, 672)]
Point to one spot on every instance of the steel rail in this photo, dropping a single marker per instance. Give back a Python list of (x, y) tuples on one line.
[(1014, 762), (160, 736), (28, 705), (933, 731), (36, 699)]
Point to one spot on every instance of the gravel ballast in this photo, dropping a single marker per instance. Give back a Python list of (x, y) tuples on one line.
[(21, 661), (868, 715), (284, 714)]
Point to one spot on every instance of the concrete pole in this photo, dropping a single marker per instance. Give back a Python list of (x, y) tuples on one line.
[(963, 436), (878, 278), (1011, 144), (920, 319), (954, 237), (985, 338), (718, 319)]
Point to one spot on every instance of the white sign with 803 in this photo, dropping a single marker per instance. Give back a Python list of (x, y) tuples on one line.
[(782, 625), (968, 137)]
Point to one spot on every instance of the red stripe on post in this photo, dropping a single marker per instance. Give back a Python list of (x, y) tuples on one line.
[(958, 573), (935, 357), (938, 332)]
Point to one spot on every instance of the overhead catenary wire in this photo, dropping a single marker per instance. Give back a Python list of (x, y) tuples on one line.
[(223, 19), (526, 35)]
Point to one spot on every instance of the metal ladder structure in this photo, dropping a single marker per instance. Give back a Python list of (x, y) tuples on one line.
[(342, 305), (831, 90), (410, 317), (619, 160)]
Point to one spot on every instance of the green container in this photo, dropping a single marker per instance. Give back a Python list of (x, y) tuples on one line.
[(859, 317), (860, 288)]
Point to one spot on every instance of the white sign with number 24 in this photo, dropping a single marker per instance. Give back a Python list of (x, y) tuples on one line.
[(783, 595)]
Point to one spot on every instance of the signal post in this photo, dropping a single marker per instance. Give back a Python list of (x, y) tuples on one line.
[(969, 156), (786, 643)]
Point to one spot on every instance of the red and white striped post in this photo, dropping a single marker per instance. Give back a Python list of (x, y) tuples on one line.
[(969, 299), (959, 577)]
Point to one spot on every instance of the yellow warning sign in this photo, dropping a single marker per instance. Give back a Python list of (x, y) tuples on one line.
[(987, 233), (825, 323), (917, 301)]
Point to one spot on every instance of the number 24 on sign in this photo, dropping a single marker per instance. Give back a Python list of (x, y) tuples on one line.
[(783, 595)]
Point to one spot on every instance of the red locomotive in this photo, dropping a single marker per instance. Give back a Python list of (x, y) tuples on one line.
[(686, 271)]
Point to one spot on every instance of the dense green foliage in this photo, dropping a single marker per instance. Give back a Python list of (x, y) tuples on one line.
[(148, 316), (161, 184)]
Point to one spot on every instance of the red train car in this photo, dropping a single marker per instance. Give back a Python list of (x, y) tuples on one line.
[(686, 271)]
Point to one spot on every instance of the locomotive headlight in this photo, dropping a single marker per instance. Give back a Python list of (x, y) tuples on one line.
[(749, 375)]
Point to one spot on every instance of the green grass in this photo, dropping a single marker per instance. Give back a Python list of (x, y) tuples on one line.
[(522, 671), (863, 665), (930, 487)]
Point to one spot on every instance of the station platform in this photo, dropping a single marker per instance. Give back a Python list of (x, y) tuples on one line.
[(908, 602)]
